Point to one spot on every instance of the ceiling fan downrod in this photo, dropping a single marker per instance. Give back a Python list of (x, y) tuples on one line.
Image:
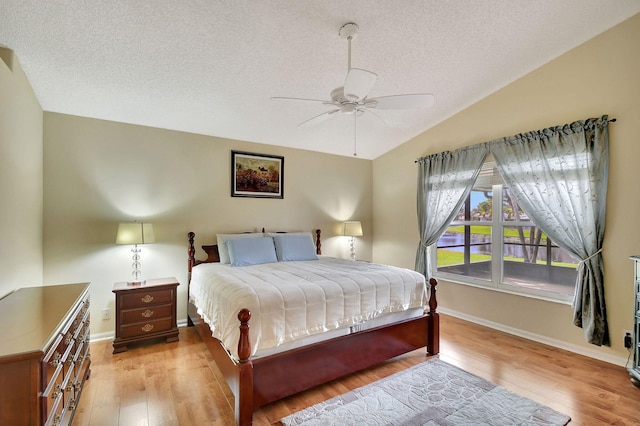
[(348, 31)]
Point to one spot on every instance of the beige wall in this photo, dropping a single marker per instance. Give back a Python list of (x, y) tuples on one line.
[(98, 173), (20, 178), (597, 78)]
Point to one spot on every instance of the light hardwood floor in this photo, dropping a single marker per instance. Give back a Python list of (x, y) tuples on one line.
[(178, 383)]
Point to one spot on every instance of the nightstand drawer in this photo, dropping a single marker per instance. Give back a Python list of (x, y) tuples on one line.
[(145, 298), (146, 314), (147, 327)]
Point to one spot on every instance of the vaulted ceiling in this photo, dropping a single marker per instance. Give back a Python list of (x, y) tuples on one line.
[(210, 67)]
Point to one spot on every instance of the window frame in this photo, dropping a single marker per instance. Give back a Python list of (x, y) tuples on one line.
[(498, 225)]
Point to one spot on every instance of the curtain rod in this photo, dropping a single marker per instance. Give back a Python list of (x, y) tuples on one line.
[(612, 120)]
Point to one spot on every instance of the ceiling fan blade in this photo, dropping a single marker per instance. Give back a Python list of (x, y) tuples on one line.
[(280, 98), (318, 118), (358, 84), (368, 111), (416, 100)]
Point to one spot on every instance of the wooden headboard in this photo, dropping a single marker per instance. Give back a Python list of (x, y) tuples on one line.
[(214, 256)]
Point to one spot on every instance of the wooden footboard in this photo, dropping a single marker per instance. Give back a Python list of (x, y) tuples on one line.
[(255, 383)]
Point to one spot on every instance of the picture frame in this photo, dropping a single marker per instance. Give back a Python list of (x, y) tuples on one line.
[(257, 175)]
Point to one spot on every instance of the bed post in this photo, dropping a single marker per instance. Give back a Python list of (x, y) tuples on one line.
[(191, 255), (433, 338), (244, 398), (318, 242), (191, 261)]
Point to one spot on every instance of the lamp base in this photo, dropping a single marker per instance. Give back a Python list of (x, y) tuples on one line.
[(353, 248)]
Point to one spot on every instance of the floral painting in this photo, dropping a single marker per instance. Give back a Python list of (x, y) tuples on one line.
[(256, 175)]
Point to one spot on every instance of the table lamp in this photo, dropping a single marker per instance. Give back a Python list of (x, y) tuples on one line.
[(352, 228), (135, 233)]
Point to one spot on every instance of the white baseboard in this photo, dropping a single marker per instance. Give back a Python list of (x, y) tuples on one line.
[(612, 359), (110, 335)]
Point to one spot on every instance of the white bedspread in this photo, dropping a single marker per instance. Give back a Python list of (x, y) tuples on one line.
[(290, 300)]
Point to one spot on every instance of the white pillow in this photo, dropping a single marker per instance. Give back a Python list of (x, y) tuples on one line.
[(251, 251), (298, 246), (223, 251)]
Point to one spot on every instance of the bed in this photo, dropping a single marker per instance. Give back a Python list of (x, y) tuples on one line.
[(279, 353)]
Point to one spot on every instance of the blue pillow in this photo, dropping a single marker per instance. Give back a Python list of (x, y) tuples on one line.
[(251, 251), (295, 247)]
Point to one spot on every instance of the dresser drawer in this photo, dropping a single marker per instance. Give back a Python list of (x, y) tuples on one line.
[(149, 313), (146, 298), (52, 397), (148, 327), (56, 362)]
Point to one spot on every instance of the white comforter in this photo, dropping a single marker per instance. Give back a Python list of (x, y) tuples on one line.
[(290, 300)]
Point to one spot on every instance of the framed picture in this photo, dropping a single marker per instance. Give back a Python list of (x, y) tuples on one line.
[(257, 175)]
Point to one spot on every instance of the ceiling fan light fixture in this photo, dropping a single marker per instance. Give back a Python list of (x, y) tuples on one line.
[(348, 108)]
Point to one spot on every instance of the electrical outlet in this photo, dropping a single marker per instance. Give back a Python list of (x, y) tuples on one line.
[(106, 314), (628, 339)]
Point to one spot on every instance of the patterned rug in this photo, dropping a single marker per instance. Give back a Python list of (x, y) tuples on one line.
[(432, 393)]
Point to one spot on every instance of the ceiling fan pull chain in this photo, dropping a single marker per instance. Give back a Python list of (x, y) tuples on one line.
[(355, 138)]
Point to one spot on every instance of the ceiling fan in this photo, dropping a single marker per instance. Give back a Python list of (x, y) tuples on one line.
[(352, 98)]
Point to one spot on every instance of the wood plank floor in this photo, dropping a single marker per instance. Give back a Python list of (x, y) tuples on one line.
[(164, 384)]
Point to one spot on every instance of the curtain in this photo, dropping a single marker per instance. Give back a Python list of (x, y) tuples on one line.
[(559, 177), (444, 181)]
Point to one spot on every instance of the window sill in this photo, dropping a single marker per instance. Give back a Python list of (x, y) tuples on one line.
[(563, 299)]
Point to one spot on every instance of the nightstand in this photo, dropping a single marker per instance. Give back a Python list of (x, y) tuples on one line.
[(146, 311)]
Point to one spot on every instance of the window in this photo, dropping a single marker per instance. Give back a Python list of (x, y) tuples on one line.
[(495, 245)]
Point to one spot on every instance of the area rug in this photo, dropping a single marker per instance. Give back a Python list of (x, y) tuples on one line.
[(432, 393)]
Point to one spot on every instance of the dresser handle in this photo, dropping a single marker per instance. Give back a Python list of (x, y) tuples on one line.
[(56, 391), (67, 338), (147, 313), (147, 328), (72, 405), (56, 420), (147, 299), (56, 360)]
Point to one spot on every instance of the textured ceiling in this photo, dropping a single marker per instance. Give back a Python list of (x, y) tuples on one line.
[(210, 67)]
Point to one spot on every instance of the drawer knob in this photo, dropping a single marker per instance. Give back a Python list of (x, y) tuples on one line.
[(147, 328), (148, 313), (147, 299)]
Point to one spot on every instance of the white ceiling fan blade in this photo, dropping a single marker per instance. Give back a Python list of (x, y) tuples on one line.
[(416, 100), (358, 83), (368, 111), (318, 118), (281, 98)]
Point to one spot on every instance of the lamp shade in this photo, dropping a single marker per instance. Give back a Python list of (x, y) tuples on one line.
[(135, 233), (352, 228)]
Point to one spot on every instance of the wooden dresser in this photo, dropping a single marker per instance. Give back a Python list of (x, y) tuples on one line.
[(44, 356), (144, 312)]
